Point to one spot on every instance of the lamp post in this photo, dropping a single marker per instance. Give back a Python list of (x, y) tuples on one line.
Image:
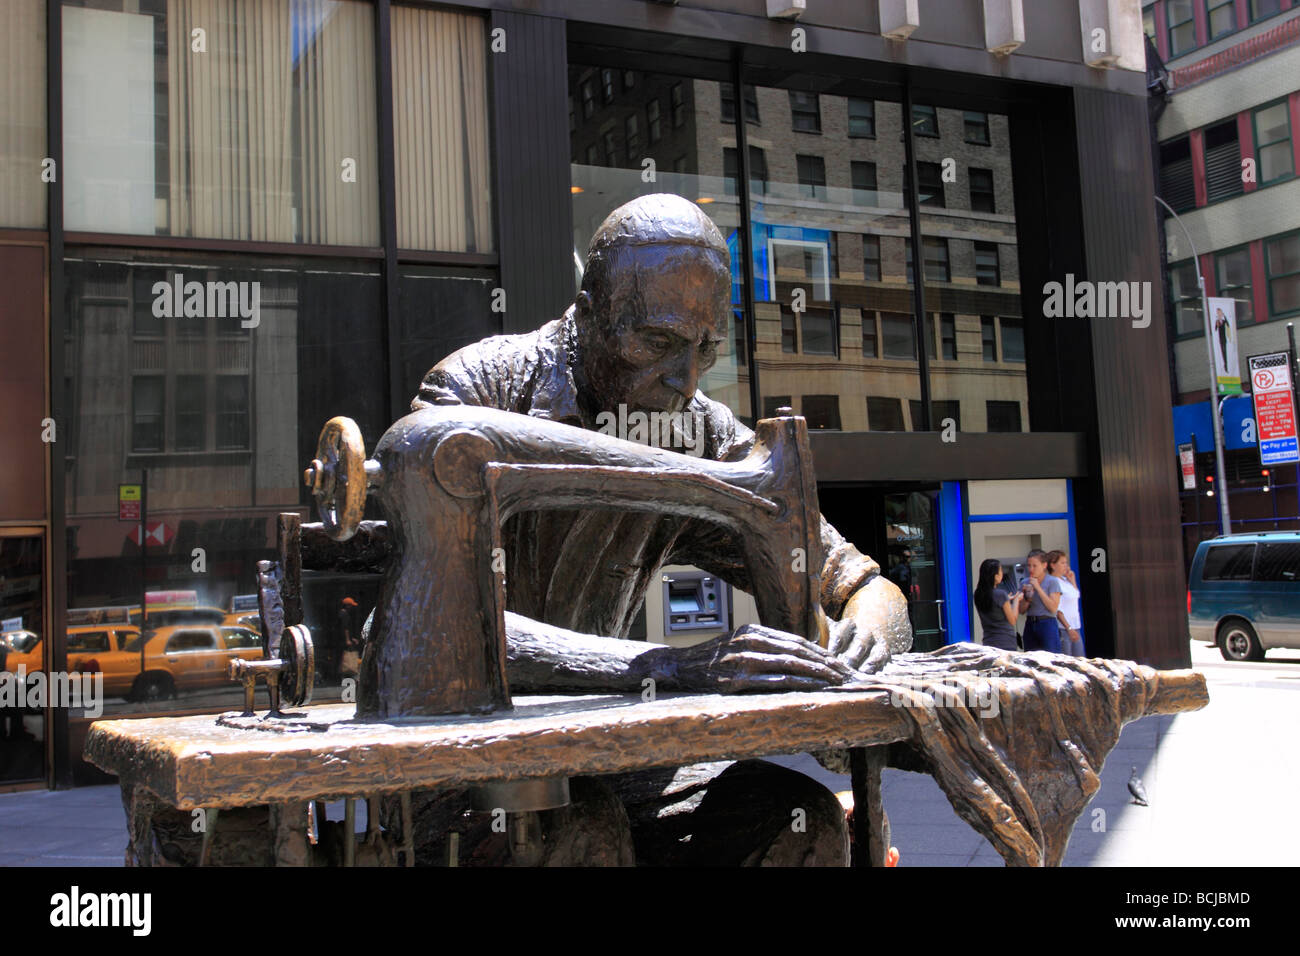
[(1225, 521)]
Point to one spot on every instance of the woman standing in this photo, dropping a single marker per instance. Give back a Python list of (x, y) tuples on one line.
[(1067, 615), (1039, 599), (996, 608)]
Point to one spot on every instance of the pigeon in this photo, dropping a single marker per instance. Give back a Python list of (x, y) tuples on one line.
[(1135, 787)]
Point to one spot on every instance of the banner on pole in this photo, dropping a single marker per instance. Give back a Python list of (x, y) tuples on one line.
[(1187, 463), (1223, 326)]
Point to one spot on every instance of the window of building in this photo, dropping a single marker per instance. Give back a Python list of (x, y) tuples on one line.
[(898, 333), (820, 334), (948, 336), (232, 412), (789, 331), (862, 118), (1282, 263), (870, 337), (728, 111), (1232, 272), (864, 183), (652, 120), (442, 154), (822, 411), (1261, 9), (629, 79), (1003, 416), (632, 134), (678, 101), (593, 155), (731, 170), (1013, 340), (147, 413), (1186, 298), (1182, 26), (244, 142), (884, 414), (935, 250), (989, 338), (190, 423), (1222, 162), (23, 139), (1177, 187), (1149, 22), (981, 190), (930, 177), (805, 112), (925, 121), (772, 402), (1221, 16), (977, 128), (588, 99), (812, 176), (871, 258), (1272, 125), (942, 411), (987, 269), (610, 143), (681, 164), (607, 86)]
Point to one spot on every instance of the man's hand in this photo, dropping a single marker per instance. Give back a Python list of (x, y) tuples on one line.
[(873, 627), (755, 657)]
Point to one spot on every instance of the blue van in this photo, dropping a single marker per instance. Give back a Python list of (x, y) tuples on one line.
[(1243, 593)]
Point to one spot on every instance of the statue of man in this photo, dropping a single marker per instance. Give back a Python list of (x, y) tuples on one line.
[(653, 308), (654, 305)]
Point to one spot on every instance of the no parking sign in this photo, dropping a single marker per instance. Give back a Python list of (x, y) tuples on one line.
[(1275, 417)]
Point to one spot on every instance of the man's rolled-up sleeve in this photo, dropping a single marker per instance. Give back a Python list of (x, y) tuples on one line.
[(845, 571)]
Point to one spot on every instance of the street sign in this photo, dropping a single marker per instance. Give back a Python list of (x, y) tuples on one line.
[(128, 502), (11, 624), (1187, 462), (1275, 415)]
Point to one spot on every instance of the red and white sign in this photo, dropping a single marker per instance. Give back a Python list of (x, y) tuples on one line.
[(128, 503), (1187, 462), (158, 533), (1275, 415)]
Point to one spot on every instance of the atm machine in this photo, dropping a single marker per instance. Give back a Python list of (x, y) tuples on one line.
[(691, 606)]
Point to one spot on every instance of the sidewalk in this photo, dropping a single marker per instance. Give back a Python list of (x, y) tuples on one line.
[(1220, 781)]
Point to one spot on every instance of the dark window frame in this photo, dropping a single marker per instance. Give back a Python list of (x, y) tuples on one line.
[(1269, 275), (978, 123), (1285, 103)]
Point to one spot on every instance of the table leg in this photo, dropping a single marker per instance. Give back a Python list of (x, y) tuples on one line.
[(289, 832), (870, 824)]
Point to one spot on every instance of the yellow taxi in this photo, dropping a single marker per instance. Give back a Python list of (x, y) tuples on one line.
[(91, 649), (192, 657)]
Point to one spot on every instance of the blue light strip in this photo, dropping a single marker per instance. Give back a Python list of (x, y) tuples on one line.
[(1026, 516), (954, 573)]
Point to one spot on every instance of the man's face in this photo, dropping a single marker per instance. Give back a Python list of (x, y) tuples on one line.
[(667, 312)]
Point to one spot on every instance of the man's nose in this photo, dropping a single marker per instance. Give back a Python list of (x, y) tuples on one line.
[(684, 376)]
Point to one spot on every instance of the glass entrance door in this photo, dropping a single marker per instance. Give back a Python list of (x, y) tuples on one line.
[(912, 562), (23, 652)]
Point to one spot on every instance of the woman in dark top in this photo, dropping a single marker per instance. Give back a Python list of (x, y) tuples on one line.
[(995, 607)]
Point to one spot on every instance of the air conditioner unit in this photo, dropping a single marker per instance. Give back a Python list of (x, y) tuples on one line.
[(898, 18), (1004, 26)]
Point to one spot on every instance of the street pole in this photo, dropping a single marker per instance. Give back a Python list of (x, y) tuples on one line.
[(144, 563), (1225, 520)]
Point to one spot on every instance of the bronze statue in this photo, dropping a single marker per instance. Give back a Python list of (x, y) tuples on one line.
[(519, 542)]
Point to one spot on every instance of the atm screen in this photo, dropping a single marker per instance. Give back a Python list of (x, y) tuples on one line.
[(684, 600)]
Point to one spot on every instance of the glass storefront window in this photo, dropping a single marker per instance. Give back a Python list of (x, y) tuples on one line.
[(694, 156), (24, 650), (216, 414), (22, 115), (256, 123)]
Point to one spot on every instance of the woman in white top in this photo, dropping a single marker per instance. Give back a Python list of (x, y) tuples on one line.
[(1067, 613)]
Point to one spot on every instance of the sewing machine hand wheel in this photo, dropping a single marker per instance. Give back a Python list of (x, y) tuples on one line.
[(337, 477)]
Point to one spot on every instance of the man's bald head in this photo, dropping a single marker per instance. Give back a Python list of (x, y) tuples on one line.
[(660, 219)]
